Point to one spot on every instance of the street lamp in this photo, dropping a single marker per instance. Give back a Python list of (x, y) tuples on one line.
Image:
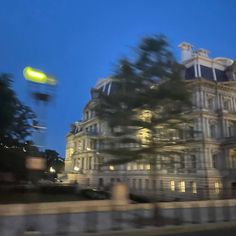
[(52, 170), (39, 82), (37, 76)]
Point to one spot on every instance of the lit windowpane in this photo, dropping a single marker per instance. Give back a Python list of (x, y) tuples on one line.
[(194, 187), (172, 185), (182, 187), (148, 167), (217, 187)]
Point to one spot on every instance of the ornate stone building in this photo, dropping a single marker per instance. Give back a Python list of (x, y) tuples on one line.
[(209, 172)]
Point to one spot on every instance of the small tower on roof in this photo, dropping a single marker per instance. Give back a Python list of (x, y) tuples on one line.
[(186, 51)]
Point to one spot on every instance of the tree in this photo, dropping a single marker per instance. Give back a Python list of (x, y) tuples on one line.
[(53, 160), (15, 118), (15, 128), (148, 115)]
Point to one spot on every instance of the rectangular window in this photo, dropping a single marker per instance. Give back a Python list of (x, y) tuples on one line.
[(233, 159), (210, 103), (128, 167), (90, 163), (147, 183), (226, 104), (95, 128), (231, 128), (141, 167), (193, 187), (193, 163), (217, 187), (182, 186), (172, 185), (161, 185), (148, 167), (154, 184), (215, 161), (213, 131), (140, 184)]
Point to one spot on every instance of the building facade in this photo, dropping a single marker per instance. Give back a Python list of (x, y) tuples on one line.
[(209, 172)]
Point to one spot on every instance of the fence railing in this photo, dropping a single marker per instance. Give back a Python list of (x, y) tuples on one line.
[(106, 215)]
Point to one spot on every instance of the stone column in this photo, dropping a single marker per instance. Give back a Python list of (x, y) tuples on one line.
[(120, 193)]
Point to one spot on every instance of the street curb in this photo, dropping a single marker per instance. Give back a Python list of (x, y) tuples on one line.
[(151, 231)]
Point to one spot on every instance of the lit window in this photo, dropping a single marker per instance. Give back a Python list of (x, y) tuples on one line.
[(141, 166), (182, 186), (172, 185), (217, 187), (144, 136), (128, 166), (194, 187), (148, 167), (146, 116)]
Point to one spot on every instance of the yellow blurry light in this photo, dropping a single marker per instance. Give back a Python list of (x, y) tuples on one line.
[(111, 167), (38, 76), (35, 75), (51, 81)]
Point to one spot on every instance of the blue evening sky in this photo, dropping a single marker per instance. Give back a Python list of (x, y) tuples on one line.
[(80, 41)]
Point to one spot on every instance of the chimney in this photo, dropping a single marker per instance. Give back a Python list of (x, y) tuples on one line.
[(186, 51), (202, 52)]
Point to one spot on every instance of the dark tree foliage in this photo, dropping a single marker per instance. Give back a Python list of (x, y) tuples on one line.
[(54, 160), (148, 115), (15, 128), (15, 118)]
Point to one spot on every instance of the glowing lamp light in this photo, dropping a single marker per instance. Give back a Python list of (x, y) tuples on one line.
[(52, 170), (38, 76), (111, 167)]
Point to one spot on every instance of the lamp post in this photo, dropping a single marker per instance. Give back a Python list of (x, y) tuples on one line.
[(40, 91)]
